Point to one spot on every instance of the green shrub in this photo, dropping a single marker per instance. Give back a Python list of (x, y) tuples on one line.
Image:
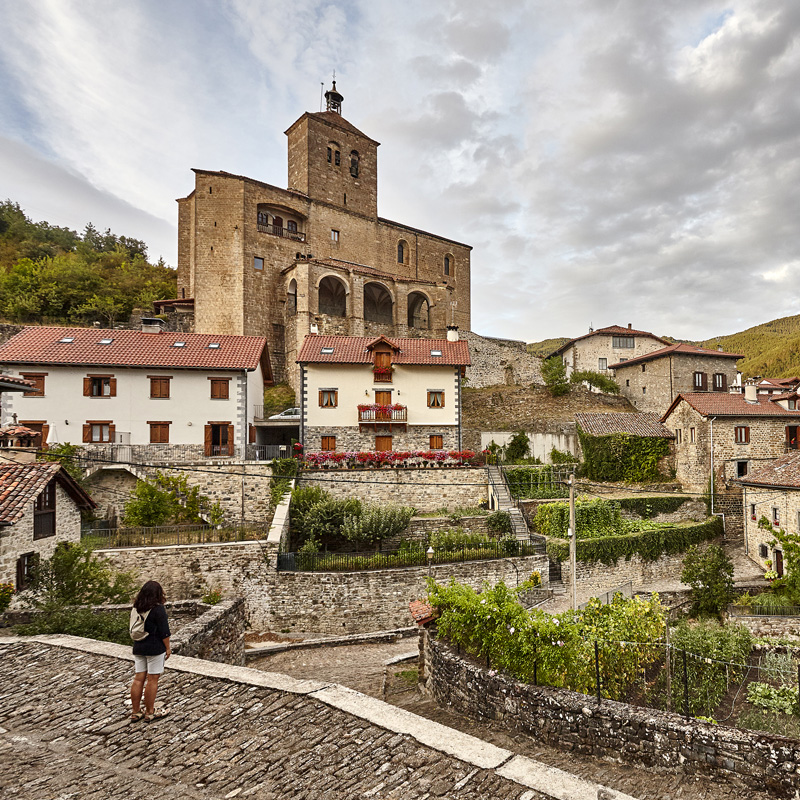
[(374, 523), (622, 457), (324, 520), (782, 699), (597, 380), (708, 646), (562, 457), (648, 507), (518, 447), (303, 499), (499, 522), (554, 375), (106, 626), (592, 518), (456, 539), (709, 572), (147, 507), (212, 597), (650, 544)]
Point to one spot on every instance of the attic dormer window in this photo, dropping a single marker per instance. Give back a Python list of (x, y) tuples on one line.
[(67, 339), (105, 341)]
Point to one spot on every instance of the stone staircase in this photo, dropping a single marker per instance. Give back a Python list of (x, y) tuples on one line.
[(519, 526)]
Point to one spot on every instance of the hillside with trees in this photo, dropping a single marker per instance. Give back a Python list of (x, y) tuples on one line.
[(56, 276)]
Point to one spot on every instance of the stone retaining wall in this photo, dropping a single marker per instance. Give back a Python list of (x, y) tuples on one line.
[(638, 736), (216, 635), (769, 626), (424, 489)]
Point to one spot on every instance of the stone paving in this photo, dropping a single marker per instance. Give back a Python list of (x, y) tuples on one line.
[(233, 732)]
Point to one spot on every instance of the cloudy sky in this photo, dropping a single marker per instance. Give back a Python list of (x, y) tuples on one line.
[(610, 162)]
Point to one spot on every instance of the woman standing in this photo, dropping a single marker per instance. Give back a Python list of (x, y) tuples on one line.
[(150, 653)]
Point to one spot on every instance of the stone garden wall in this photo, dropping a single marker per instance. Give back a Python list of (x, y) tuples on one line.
[(215, 635), (424, 489), (638, 736)]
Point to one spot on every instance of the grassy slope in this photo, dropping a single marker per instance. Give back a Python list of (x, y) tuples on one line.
[(771, 349), (546, 346)]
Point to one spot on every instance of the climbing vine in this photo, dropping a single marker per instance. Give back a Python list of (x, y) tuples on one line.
[(622, 457)]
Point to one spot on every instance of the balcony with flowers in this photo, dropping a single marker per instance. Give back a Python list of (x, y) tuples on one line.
[(382, 374), (409, 459), (380, 414)]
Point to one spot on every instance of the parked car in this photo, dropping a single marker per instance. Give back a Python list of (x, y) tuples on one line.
[(288, 414)]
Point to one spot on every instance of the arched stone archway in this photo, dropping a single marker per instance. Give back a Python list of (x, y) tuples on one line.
[(418, 311), (378, 305), (332, 297)]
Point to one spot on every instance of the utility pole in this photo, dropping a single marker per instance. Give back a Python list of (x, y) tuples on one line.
[(572, 542)]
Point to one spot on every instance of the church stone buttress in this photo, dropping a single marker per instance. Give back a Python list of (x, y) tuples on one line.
[(261, 260)]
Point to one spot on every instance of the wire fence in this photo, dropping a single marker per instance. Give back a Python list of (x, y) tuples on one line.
[(762, 694), (104, 538), (538, 481), (410, 557)]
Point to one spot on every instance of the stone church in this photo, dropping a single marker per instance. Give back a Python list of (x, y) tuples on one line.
[(255, 259)]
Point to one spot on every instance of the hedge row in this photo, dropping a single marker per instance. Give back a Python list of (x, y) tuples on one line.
[(649, 507), (649, 544), (622, 457)]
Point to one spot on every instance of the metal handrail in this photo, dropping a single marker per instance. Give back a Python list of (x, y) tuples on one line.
[(276, 230)]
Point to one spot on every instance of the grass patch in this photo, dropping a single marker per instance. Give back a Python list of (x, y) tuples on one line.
[(770, 722), (408, 676)]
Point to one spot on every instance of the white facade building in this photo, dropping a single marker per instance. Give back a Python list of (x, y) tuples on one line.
[(167, 392)]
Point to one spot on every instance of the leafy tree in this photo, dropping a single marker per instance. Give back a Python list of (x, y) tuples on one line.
[(74, 576), (709, 572), (169, 498), (518, 447), (69, 456), (375, 523), (597, 380), (324, 520), (554, 375), (148, 506)]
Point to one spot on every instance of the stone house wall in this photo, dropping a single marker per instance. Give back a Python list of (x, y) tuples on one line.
[(642, 737), (17, 539), (663, 379), (424, 489), (585, 354), (497, 362), (351, 439), (758, 501)]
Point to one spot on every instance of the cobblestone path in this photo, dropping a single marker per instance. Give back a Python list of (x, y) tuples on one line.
[(64, 735)]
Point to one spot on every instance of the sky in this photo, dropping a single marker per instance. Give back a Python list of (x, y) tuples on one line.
[(609, 162)]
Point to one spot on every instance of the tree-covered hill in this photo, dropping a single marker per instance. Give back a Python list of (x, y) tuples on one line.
[(771, 349), (52, 275), (546, 346)]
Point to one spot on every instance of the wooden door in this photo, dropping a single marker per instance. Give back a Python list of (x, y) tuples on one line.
[(383, 358), (778, 566), (383, 443)]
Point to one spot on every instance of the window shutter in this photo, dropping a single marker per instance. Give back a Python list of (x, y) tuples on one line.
[(336, 398), (87, 433), (45, 433), (320, 399), (87, 387), (442, 406), (705, 381), (724, 379), (252, 434), (112, 429), (112, 387), (207, 440), (747, 435), (230, 440)]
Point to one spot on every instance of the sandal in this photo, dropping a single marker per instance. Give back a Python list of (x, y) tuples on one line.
[(137, 715), (158, 713)]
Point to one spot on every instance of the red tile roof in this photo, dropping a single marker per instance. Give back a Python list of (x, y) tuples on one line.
[(422, 612), (782, 472), (353, 350), (724, 404), (21, 484), (680, 349), (644, 424), (13, 383), (611, 330), (132, 349)]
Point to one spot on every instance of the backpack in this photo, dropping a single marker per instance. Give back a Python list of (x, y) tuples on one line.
[(137, 625)]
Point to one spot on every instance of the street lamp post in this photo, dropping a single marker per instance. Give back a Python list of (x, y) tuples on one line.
[(429, 554)]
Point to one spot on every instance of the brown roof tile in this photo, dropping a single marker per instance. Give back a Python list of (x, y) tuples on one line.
[(783, 471), (132, 349), (674, 349), (422, 612), (611, 330), (12, 382), (353, 350), (724, 404), (644, 424), (21, 484)]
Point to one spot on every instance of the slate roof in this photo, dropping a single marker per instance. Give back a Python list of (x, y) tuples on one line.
[(132, 349), (724, 404), (611, 330), (782, 472), (644, 424), (21, 484), (353, 350), (680, 349)]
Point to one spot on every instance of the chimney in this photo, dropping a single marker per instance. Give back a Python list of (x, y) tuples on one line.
[(452, 333), (630, 326), (751, 391), (719, 346), (152, 325), (313, 329)]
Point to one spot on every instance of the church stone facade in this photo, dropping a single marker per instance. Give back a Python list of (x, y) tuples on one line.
[(256, 259)]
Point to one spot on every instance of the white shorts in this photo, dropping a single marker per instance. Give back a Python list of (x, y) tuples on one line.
[(153, 665)]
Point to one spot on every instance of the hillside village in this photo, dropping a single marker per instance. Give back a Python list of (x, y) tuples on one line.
[(308, 443)]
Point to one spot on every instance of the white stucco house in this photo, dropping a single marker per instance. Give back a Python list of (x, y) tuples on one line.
[(380, 394), (40, 506), (162, 394)]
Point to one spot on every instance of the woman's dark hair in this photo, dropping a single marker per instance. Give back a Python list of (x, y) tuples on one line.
[(150, 596)]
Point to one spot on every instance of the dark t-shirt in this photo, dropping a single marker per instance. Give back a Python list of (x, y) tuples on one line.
[(157, 628)]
